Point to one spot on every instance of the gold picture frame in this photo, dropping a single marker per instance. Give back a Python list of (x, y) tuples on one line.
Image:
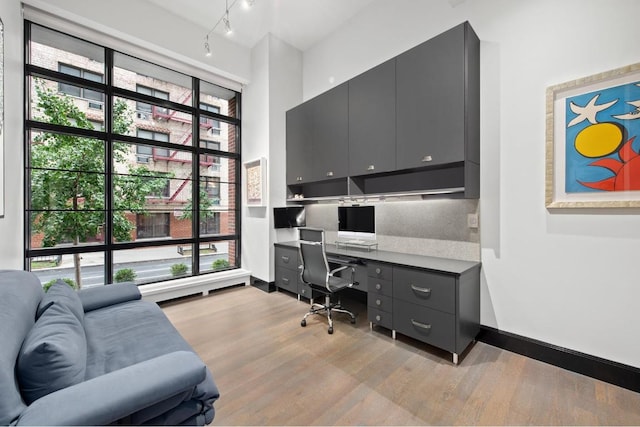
[(255, 182), (593, 141)]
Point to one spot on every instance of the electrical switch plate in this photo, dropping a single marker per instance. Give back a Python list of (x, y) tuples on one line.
[(472, 220)]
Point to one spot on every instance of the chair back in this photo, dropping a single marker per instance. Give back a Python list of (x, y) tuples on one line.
[(315, 268)]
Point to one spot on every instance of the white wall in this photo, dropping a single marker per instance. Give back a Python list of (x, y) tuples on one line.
[(570, 278), (11, 229), (276, 86), (158, 30)]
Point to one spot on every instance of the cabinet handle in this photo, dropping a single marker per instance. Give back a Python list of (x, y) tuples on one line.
[(378, 302), (378, 270), (285, 280), (378, 317), (285, 258), (427, 159), (420, 325), (330, 173), (378, 287), (423, 290), (370, 167), (299, 178)]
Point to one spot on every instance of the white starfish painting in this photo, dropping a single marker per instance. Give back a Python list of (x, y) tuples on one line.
[(589, 111)]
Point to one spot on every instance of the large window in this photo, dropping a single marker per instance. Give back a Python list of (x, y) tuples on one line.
[(148, 180)]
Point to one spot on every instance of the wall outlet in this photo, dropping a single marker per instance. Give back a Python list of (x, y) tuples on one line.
[(472, 220)]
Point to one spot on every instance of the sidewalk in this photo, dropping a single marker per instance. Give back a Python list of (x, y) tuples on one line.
[(137, 255)]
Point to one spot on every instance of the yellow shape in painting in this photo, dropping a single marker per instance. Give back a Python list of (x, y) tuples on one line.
[(598, 140)]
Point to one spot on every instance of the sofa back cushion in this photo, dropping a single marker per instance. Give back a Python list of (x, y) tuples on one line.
[(54, 353), (20, 294), (61, 293)]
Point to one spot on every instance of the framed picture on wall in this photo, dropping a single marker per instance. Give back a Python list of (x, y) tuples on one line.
[(255, 182), (593, 141)]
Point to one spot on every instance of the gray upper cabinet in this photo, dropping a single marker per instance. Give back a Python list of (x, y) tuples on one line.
[(318, 137), (411, 124), (299, 154), (433, 106), (372, 120), (331, 134)]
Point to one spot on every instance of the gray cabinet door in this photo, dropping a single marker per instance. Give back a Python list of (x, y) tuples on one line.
[(299, 144), (372, 120), (431, 101), (330, 134)]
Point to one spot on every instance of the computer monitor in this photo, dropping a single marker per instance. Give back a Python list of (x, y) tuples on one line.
[(356, 223), (289, 217)]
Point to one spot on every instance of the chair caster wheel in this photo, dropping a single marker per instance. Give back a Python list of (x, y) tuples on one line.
[(303, 323), (330, 330)]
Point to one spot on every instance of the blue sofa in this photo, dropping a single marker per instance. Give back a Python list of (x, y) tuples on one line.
[(93, 357)]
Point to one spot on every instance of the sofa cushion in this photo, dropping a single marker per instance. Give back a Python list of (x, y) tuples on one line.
[(20, 293), (61, 293), (54, 353), (124, 334)]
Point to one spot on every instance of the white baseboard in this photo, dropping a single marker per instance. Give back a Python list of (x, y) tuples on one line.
[(163, 291)]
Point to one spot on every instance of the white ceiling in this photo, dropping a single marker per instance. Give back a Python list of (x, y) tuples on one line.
[(301, 23)]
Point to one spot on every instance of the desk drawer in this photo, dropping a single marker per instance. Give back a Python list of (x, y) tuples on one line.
[(287, 279), (380, 302), (380, 286), (425, 288), (380, 271), (380, 317), (287, 258), (431, 326)]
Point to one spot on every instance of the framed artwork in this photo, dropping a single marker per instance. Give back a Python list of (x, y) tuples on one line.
[(255, 182), (593, 141)]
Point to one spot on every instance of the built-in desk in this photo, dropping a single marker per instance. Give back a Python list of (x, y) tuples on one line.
[(434, 300)]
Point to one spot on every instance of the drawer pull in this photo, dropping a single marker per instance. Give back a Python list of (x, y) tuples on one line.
[(378, 302), (427, 158), (378, 286), (420, 325), (378, 270), (378, 317), (285, 280), (330, 173), (423, 290), (371, 167), (285, 258)]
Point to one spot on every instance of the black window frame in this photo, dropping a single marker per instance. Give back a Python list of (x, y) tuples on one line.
[(112, 92)]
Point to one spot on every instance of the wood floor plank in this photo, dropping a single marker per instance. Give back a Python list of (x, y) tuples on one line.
[(272, 371)]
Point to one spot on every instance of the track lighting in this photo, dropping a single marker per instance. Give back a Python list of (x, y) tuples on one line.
[(227, 24), (207, 48), (224, 19)]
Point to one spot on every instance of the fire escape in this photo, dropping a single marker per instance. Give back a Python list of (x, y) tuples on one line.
[(183, 157)]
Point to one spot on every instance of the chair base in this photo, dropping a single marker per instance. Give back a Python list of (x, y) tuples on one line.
[(328, 307)]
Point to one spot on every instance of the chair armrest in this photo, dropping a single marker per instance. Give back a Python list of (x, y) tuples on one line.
[(104, 296), (332, 272), (110, 397)]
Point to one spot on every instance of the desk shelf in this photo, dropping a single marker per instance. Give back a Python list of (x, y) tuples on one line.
[(368, 245)]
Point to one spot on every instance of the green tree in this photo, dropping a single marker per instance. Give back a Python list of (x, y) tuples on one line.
[(68, 176), (206, 207)]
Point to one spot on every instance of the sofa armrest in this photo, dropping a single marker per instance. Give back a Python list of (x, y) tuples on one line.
[(110, 397), (104, 296)]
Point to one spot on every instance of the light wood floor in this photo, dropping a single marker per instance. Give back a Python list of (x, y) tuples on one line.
[(271, 371)]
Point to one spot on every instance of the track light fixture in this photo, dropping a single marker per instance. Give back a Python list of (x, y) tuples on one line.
[(224, 19), (207, 48)]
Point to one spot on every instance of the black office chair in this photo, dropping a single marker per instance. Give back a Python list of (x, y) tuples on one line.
[(315, 272)]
